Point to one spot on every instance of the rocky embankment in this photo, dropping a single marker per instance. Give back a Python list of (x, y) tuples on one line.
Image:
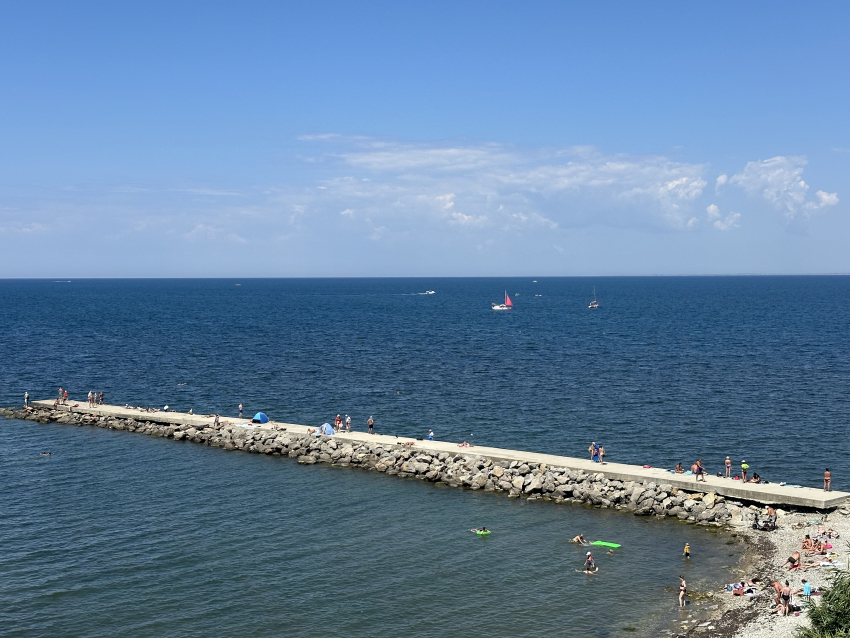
[(464, 469)]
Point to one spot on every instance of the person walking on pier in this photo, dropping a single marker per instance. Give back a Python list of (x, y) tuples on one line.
[(827, 479), (26, 399)]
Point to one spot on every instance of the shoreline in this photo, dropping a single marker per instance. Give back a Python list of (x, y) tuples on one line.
[(733, 617)]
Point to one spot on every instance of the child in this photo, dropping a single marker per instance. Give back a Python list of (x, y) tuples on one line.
[(687, 552)]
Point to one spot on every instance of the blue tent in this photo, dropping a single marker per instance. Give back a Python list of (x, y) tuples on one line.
[(259, 417), (326, 429)]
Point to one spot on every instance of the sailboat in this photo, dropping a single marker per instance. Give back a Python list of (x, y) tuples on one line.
[(503, 306), (595, 302)]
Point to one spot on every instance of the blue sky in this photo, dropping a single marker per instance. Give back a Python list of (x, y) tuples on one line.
[(383, 139)]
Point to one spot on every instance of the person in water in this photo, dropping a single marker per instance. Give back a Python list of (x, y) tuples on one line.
[(589, 563), (687, 552), (483, 530), (578, 539), (683, 590)]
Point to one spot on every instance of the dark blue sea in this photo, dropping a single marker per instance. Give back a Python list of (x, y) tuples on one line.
[(121, 534)]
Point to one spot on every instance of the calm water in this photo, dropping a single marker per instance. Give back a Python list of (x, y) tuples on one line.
[(119, 534), (668, 369)]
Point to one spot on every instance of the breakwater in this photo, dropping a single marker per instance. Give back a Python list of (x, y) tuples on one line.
[(642, 491)]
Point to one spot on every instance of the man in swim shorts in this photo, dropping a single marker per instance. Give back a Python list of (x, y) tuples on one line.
[(827, 479), (371, 424)]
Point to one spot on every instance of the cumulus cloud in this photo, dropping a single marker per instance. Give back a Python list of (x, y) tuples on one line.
[(779, 181), (348, 212), (721, 180), (713, 211), (731, 221)]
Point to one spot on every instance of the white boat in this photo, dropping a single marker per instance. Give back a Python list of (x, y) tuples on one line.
[(430, 292), (595, 302), (503, 306)]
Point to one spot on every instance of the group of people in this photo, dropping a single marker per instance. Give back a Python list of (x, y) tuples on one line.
[(597, 452), (95, 399), (339, 424), (817, 548)]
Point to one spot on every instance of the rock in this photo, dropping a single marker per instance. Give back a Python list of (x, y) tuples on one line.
[(497, 471), (709, 498), (306, 460), (518, 482)]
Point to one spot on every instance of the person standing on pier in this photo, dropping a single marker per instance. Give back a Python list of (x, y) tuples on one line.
[(65, 397), (827, 479), (240, 410), (348, 423), (744, 468), (700, 470), (60, 394), (100, 399), (371, 424), (26, 399), (90, 398), (728, 467)]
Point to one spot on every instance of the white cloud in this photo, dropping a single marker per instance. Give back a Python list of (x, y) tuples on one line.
[(468, 220), (713, 211), (348, 212), (446, 200), (826, 199), (552, 188), (732, 221), (779, 181), (721, 180)]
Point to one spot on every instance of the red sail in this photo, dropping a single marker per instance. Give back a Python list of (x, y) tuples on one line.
[(508, 300)]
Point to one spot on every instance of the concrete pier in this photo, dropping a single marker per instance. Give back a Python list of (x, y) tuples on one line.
[(770, 494)]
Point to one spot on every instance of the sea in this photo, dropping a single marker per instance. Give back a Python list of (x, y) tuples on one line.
[(116, 533)]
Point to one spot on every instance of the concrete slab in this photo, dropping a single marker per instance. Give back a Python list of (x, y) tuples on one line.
[(770, 494)]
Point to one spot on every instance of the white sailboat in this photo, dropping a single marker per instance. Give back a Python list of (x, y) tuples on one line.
[(595, 302), (503, 306)]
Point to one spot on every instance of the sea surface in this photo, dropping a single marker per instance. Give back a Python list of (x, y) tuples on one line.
[(668, 369), (122, 534)]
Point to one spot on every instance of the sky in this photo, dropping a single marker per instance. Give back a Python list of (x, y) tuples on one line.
[(251, 139)]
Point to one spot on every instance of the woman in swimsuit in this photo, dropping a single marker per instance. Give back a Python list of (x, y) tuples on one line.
[(683, 588), (785, 598)]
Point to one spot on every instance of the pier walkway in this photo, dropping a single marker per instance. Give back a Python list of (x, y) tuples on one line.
[(770, 494)]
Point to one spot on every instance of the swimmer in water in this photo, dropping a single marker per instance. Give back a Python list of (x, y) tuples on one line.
[(483, 530), (578, 539), (590, 567), (46, 453)]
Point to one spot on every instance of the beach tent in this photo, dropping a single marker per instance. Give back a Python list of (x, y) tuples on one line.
[(327, 429), (259, 417)]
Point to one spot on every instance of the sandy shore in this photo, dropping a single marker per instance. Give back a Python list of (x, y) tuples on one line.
[(741, 617)]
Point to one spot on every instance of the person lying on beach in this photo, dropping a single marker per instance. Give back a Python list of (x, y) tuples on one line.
[(578, 539), (464, 444), (679, 469), (311, 430)]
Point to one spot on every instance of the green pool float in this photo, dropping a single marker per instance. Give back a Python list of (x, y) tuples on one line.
[(604, 544)]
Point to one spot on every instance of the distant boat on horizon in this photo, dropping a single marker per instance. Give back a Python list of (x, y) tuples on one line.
[(595, 302), (503, 306)]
